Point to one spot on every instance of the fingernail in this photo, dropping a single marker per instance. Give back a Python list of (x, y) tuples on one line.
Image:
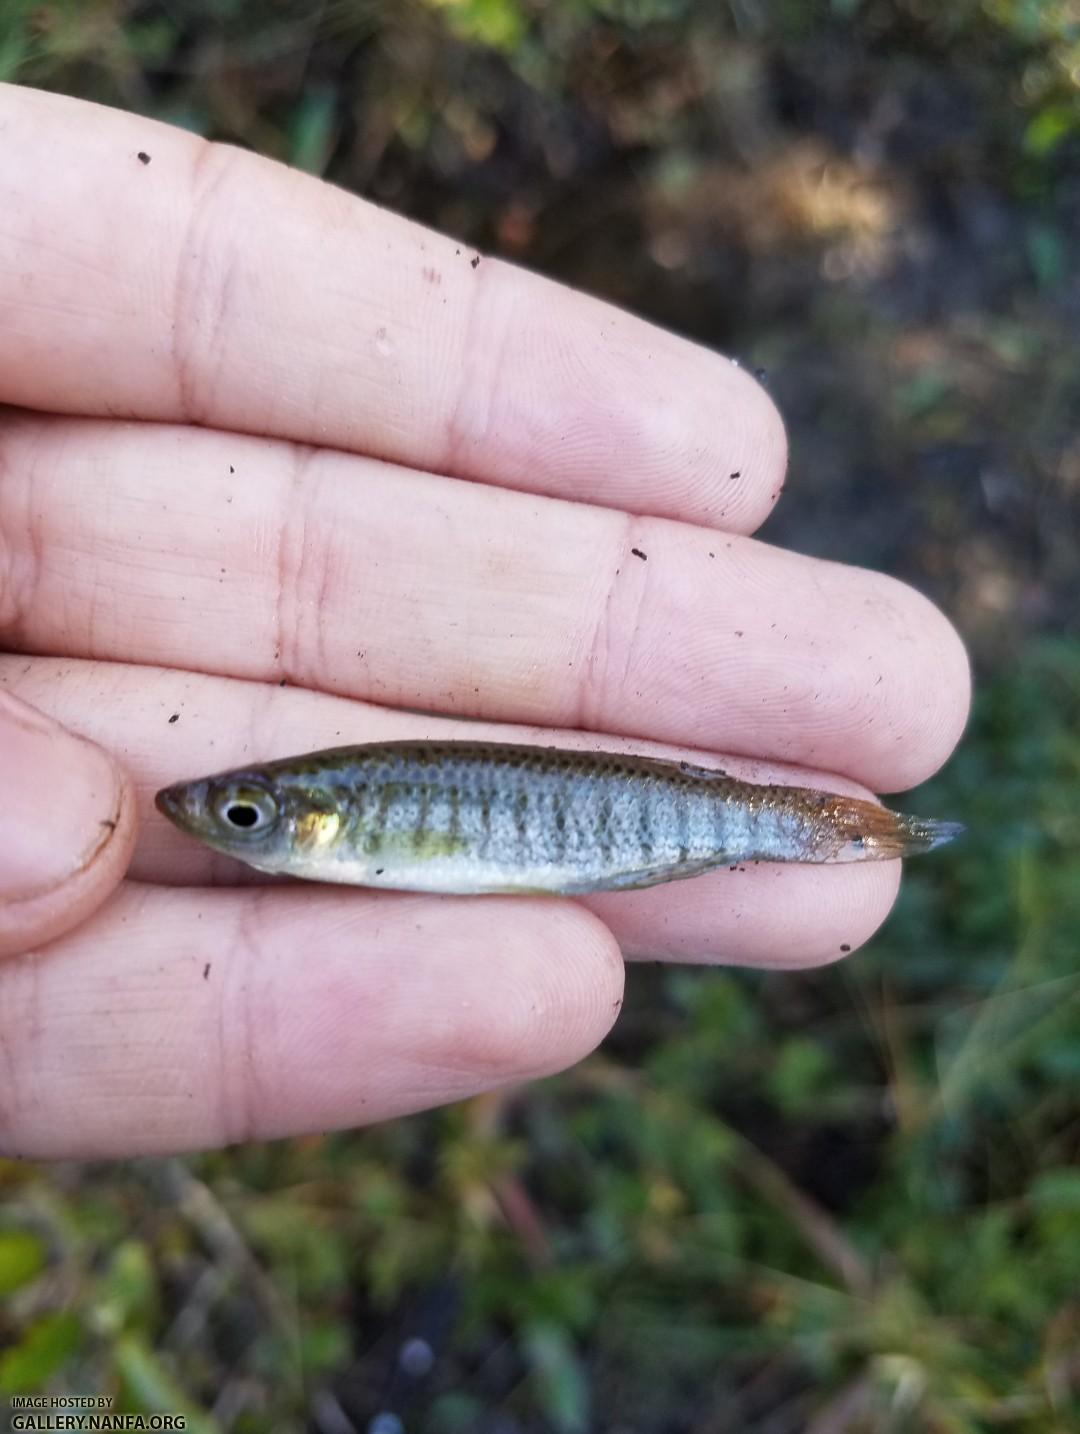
[(60, 799)]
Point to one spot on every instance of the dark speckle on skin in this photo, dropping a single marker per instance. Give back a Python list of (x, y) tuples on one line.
[(175, 717), (143, 157), (475, 261), (206, 972), (283, 682), (845, 947), (379, 870), (639, 554), (736, 474)]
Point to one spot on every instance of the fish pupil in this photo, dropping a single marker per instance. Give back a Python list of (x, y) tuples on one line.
[(242, 814)]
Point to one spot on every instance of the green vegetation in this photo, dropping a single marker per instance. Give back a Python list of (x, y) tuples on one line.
[(845, 1200)]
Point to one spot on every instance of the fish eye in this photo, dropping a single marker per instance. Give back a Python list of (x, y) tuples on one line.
[(242, 814), (246, 809)]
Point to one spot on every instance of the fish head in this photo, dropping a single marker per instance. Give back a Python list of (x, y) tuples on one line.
[(246, 814)]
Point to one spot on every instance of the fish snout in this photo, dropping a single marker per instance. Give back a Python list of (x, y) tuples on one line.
[(175, 803)]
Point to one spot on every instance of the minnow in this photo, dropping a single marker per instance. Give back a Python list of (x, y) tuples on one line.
[(482, 817)]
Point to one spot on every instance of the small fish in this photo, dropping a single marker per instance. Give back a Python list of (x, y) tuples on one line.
[(470, 817)]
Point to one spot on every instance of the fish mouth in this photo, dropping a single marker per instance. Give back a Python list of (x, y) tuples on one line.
[(170, 803)]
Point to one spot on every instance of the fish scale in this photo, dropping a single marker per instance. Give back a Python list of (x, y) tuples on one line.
[(461, 817)]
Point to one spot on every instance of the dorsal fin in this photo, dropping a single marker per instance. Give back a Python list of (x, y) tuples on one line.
[(692, 770)]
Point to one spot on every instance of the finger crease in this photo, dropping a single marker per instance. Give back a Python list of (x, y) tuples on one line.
[(609, 653), (19, 1031), (295, 564), (21, 562), (239, 1080), (202, 289), (486, 334)]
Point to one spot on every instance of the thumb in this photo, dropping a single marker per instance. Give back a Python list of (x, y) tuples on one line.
[(67, 827)]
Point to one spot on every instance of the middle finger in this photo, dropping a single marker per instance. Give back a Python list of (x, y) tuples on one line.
[(255, 558)]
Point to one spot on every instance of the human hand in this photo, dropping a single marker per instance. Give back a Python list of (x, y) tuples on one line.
[(191, 576)]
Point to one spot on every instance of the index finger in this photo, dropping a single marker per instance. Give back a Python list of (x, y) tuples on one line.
[(157, 276)]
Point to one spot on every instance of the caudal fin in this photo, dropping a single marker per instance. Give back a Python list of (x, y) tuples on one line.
[(869, 832), (920, 834)]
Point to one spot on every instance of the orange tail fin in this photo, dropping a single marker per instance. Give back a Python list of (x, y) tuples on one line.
[(868, 831)]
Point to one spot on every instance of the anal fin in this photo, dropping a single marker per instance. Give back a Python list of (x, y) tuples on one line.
[(647, 876)]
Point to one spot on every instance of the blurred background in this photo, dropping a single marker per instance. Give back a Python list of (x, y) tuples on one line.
[(845, 1200)]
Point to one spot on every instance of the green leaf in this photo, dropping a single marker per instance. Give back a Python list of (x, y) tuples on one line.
[(1056, 1190), (148, 1387), (313, 131), (559, 1378), (800, 1074), (497, 23), (39, 1353), (22, 1257), (1049, 127), (14, 50), (128, 1291)]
